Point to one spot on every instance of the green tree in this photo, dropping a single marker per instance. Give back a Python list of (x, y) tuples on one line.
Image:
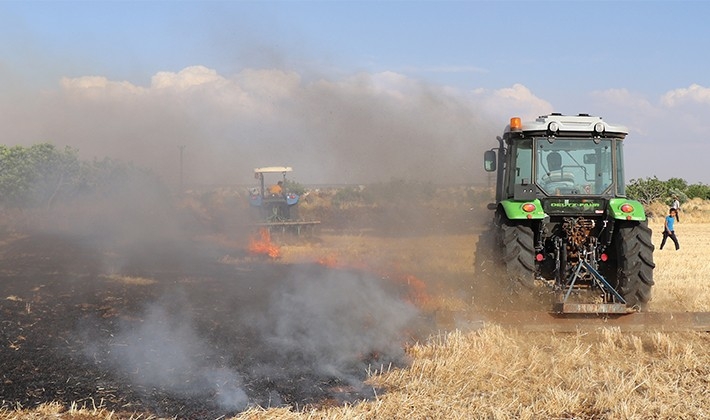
[(36, 175), (347, 195), (698, 191), (54, 173), (43, 175), (677, 184), (294, 187), (647, 190), (15, 174)]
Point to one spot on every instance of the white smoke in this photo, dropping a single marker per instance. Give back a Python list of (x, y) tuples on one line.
[(166, 352), (334, 322), (290, 337), (355, 129)]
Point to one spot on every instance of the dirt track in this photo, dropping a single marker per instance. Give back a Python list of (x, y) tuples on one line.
[(183, 333)]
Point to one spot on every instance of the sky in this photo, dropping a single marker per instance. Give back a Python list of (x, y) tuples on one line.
[(350, 91)]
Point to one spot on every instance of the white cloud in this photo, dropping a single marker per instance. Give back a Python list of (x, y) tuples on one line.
[(660, 130), (624, 98), (197, 88), (97, 87), (656, 119), (516, 100), (186, 78), (692, 94), (621, 106)]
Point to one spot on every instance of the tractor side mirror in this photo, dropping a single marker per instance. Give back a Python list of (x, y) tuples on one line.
[(489, 160)]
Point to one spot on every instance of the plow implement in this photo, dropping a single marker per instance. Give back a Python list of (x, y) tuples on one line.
[(556, 322), (285, 225)]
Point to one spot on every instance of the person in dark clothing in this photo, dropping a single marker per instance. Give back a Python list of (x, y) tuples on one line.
[(668, 231)]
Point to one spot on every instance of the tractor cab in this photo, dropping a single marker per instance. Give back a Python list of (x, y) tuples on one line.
[(273, 199), (557, 155)]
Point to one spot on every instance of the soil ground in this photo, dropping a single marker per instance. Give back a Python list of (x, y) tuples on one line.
[(181, 329)]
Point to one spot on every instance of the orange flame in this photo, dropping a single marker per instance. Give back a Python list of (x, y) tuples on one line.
[(330, 261), (417, 290), (261, 244)]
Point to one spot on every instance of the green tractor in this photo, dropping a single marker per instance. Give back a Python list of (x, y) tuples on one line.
[(563, 227)]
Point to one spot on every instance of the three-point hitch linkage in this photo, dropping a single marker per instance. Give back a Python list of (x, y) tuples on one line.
[(611, 302)]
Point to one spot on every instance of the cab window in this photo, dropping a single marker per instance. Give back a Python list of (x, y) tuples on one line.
[(521, 162)]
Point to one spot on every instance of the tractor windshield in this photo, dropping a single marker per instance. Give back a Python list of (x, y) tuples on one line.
[(574, 166)]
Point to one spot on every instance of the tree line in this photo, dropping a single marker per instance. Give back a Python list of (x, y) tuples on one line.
[(43, 175), (651, 189)]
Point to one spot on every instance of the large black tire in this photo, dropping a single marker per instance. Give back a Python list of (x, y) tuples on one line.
[(486, 289), (518, 244), (505, 269), (635, 263)]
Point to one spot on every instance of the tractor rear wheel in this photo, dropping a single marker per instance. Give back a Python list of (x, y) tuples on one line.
[(635, 263), (518, 256), (486, 289)]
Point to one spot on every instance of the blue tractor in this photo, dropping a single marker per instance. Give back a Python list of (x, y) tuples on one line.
[(275, 203)]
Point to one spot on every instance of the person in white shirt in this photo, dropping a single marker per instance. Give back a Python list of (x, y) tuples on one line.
[(676, 206)]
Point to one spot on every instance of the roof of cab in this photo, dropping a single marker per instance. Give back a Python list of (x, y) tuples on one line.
[(570, 123), (273, 169)]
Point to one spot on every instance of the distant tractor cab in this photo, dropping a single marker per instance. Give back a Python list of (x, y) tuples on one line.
[(273, 201), (276, 205)]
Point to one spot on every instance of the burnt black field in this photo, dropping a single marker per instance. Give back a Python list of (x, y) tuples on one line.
[(170, 329)]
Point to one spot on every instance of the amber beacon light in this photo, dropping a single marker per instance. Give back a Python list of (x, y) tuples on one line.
[(516, 124)]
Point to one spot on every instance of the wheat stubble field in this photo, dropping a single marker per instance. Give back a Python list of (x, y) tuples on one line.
[(467, 372), (502, 373)]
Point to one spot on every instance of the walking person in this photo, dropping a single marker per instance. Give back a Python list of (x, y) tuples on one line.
[(668, 231), (676, 206)]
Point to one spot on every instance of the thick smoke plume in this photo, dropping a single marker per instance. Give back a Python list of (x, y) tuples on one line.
[(290, 336), (359, 129), (335, 322)]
